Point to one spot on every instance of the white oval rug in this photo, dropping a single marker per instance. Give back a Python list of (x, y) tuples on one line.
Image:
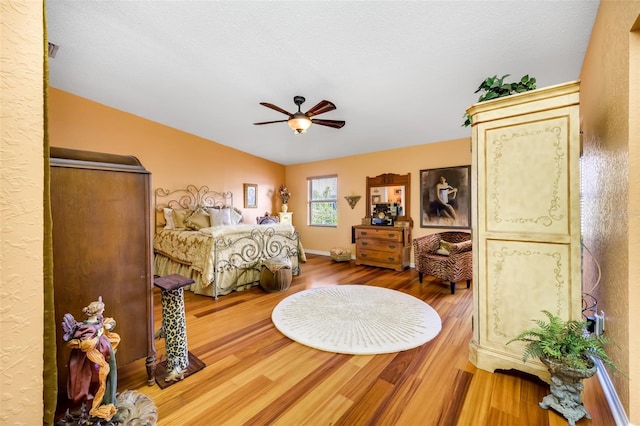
[(356, 319)]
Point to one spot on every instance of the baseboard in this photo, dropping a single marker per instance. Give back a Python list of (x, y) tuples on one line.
[(326, 253), (619, 415), (319, 252)]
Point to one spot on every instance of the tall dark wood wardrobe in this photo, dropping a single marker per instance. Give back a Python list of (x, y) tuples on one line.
[(101, 211)]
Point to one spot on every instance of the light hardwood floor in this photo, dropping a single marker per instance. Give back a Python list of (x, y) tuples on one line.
[(256, 376)]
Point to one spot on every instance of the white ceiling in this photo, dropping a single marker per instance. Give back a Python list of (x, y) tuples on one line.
[(401, 73)]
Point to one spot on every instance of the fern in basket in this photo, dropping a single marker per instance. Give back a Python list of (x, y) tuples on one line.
[(565, 342)]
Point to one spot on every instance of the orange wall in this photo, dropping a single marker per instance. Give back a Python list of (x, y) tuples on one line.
[(352, 172), (174, 158), (610, 121)]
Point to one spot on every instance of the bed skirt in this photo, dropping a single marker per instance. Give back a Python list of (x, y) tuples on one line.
[(231, 280)]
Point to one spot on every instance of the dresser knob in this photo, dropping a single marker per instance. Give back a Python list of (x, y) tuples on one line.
[(364, 243), (391, 246)]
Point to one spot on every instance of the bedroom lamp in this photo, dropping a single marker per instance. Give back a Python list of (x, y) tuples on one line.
[(299, 123)]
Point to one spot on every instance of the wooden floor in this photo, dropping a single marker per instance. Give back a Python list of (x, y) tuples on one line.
[(256, 376)]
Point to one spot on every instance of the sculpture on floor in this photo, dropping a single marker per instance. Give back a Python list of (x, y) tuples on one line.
[(93, 375), (92, 362), (134, 409)]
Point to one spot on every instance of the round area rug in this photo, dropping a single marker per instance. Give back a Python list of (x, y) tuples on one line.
[(356, 319)]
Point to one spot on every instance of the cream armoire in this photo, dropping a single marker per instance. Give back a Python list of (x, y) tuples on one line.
[(525, 220)]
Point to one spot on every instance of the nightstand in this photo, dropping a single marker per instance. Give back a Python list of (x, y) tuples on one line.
[(286, 217)]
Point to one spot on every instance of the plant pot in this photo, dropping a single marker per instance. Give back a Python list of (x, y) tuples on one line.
[(285, 208), (566, 390)]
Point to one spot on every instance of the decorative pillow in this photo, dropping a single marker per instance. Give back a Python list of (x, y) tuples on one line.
[(168, 219), (220, 217), (445, 246), (235, 215), (199, 219), (462, 246), (179, 217), (266, 219)]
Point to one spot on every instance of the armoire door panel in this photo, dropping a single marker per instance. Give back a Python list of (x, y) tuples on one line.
[(523, 278), (528, 158)]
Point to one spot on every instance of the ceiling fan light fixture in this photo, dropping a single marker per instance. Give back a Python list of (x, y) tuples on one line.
[(299, 123)]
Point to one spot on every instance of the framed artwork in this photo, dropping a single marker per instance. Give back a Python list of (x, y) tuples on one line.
[(250, 196), (445, 197)]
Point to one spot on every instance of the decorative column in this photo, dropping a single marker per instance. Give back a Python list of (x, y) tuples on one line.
[(174, 324)]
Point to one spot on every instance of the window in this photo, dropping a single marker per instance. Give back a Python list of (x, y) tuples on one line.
[(323, 201)]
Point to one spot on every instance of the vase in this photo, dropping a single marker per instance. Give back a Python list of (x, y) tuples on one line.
[(566, 388), (285, 208)]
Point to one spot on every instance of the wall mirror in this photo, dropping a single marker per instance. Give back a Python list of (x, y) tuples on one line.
[(390, 193)]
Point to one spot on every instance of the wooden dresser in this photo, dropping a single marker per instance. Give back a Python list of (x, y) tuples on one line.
[(382, 246), (101, 211)]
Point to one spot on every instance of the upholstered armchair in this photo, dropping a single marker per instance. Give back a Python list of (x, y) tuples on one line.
[(445, 255)]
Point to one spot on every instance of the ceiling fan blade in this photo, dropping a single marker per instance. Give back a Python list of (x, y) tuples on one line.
[(336, 124), (277, 108), (269, 122), (320, 108)]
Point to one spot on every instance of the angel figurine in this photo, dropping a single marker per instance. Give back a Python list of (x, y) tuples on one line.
[(92, 362)]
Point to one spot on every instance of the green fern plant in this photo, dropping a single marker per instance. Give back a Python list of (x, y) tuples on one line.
[(494, 87), (565, 342)]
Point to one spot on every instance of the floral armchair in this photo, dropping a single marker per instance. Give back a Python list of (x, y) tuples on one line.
[(445, 255)]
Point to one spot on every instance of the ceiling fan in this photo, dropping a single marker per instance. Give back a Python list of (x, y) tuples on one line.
[(301, 121)]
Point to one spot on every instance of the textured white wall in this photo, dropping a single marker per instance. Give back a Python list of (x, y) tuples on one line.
[(21, 218)]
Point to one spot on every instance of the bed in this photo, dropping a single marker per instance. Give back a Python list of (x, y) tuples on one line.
[(200, 235)]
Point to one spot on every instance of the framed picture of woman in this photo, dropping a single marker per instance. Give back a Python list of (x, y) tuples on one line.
[(445, 197)]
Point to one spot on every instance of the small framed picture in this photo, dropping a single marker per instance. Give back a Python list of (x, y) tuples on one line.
[(250, 196)]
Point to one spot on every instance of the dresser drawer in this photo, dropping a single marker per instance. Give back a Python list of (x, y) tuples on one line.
[(381, 245), (389, 234), (379, 256)]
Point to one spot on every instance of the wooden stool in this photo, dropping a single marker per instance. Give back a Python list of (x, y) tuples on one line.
[(174, 324), (275, 275)]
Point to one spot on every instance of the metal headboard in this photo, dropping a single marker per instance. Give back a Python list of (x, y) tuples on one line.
[(190, 197)]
